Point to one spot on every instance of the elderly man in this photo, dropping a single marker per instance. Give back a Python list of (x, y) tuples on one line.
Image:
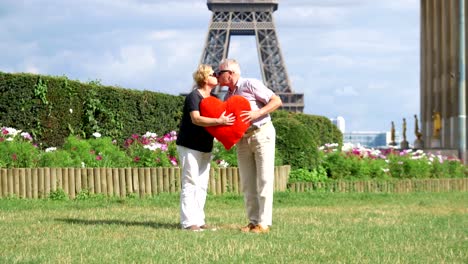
[(256, 149)]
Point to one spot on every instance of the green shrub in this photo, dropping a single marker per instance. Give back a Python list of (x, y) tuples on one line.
[(58, 195), (295, 144), (318, 174), (55, 159)]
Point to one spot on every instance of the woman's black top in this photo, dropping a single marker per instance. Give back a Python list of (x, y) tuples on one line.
[(190, 135)]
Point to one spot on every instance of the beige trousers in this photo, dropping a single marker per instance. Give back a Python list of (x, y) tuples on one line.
[(256, 158)]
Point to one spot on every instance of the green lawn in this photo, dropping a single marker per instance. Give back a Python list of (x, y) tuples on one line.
[(308, 228)]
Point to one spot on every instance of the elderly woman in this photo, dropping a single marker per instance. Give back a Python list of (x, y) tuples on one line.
[(194, 145)]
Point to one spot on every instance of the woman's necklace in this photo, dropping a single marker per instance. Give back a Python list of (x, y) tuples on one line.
[(203, 92)]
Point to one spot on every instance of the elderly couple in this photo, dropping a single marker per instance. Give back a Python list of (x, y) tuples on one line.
[(255, 150)]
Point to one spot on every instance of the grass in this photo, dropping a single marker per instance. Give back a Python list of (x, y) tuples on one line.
[(308, 228)]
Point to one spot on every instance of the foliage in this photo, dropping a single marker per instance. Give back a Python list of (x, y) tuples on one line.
[(295, 144), (53, 107), (321, 128), (351, 162), (16, 149), (318, 174), (222, 157), (149, 150), (58, 195), (138, 151)]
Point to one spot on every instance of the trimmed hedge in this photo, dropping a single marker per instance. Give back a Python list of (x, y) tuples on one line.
[(299, 136), (51, 108)]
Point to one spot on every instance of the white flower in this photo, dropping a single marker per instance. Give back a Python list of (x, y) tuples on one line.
[(50, 149), (97, 134), (71, 111), (150, 135), (385, 170), (153, 146), (223, 164), (83, 165), (26, 136)]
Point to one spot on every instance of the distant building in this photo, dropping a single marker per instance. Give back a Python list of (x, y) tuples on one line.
[(370, 139), (339, 122)]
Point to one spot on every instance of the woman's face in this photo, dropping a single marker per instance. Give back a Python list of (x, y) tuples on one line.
[(211, 80)]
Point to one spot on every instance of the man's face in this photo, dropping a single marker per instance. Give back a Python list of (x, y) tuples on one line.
[(224, 77)]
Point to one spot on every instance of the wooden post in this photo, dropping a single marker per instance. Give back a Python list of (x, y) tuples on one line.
[(123, 185), (60, 179), (97, 180), (3, 180), (154, 181), (160, 179), (84, 179), (91, 180), (42, 193), (78, 185), (136, 186), (47, 181), (110, 182), (166, 180), (212, 183), (178, 179), (22, 183), (16, 181), (128, 180), (35, 184), (53, 179), (235, 181), (230, 180), (223, 180), (115, 178), (141, 181), (219, 189), (171, 180), (71, 182), (147, 182), (103, 180)]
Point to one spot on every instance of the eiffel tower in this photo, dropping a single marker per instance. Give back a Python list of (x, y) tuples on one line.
[(250, 18)]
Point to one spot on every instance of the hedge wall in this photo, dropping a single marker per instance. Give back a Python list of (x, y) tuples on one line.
[(299, 136), (51, 108)]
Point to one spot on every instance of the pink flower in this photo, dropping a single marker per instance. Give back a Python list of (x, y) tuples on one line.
[(14, 156), (98, 157), (136, 159)]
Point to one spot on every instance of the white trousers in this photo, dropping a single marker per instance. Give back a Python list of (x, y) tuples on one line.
[(195, 174), (256, 158)]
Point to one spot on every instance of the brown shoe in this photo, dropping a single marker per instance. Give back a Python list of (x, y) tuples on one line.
[(248, 228), (193, 228), (208, 227), (259, 229)]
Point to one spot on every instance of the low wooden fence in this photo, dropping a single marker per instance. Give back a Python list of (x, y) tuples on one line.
[(39, 182), (395, 186)]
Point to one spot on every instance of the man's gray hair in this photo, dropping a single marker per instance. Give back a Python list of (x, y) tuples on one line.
[(230, 64)]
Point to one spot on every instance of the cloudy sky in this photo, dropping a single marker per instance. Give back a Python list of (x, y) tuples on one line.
[(353, 58)]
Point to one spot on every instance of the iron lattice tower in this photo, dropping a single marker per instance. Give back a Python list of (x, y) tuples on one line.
[(251, 18)]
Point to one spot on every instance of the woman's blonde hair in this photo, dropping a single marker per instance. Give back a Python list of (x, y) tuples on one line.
[(202, 74)]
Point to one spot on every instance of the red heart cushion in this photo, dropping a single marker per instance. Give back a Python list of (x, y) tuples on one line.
[(213, 107)]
